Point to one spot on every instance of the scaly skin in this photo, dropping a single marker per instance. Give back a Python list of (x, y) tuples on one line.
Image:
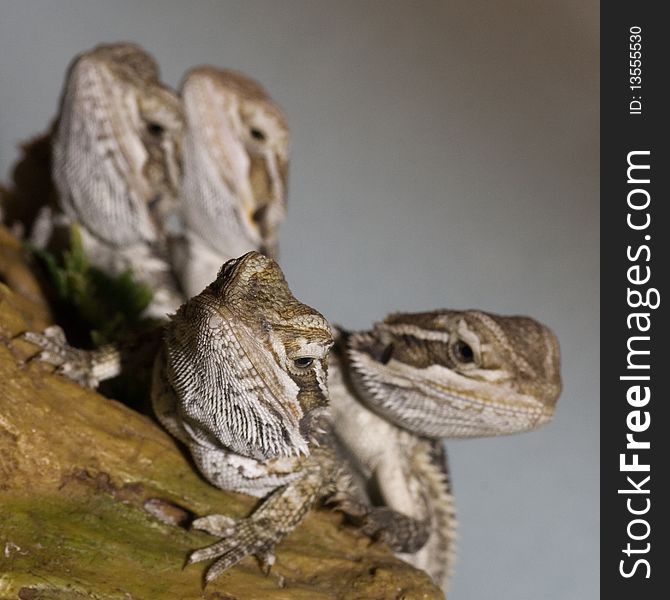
[(236, 151), (395, 391), (111, 164), (241, 380), (168, 187), (115, 163), (414, 379)]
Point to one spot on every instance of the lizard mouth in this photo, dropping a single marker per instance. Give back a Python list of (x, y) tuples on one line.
[(499, 414), (436, 402), (506, 403), (436, 411)]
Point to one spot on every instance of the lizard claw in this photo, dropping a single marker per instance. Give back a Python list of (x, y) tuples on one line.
[(383, 524), (215, 524), (73, 363), (344, 503), (242, 538), (51, 341), (399, 531), (267, 559)]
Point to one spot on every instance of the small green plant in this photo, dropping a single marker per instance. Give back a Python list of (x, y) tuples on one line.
[(106, 307)]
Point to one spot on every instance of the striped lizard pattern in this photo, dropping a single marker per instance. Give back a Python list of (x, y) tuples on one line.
[(115, 159), (241, 379), (416, 378), (241, 376), (236, 150)]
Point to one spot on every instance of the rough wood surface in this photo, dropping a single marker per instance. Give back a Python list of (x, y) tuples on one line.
[(16, 272), (95, 500)]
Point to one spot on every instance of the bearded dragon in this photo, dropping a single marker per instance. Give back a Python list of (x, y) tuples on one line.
[(114, 156), (240, 379), (235, 163), (166, 186), (395, 392), (414, 379)]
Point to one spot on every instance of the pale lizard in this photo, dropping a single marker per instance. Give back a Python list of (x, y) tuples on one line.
[(235, 162), (240, 379), (116, 160), (396, 391), (409, 533), (414, 379), (114, 156)]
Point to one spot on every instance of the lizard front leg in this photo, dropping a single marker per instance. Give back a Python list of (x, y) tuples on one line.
[(87, 367), (276, 517)]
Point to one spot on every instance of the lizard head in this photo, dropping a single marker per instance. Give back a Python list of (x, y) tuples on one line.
[(458, 373), (116, 144), (249, 362), (235, 163)]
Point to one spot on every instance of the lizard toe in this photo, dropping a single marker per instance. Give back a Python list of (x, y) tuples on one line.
[(215, 525)]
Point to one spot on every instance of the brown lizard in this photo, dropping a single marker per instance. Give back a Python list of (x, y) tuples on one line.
[(240, 378), (113, 156), (397, 390), (235, 161)]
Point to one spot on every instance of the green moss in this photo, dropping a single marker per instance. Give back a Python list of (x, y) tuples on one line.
[(76, 472), (101, 547), (104, 306)]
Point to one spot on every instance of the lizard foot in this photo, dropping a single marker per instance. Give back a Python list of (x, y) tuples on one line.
[(242, 538), (383, 524), (70, 362), (345, 503), (400, 532)]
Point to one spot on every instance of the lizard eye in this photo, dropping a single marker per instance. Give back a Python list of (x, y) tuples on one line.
[(386, 354), (259, 214), (303, 362), (155, 129), (257, 134), (462, 352)]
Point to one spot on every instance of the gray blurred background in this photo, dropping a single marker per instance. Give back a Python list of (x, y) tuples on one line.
[(445, 154)]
